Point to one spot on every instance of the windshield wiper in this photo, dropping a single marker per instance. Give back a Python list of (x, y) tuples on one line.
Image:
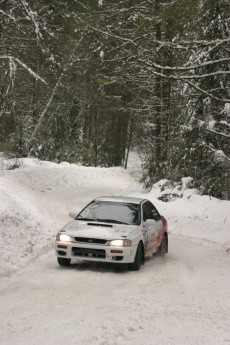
[(102, 220), (111, 221), (90, 219)]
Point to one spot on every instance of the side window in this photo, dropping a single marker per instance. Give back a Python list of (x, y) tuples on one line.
[(156, 214), (147, 211), (150, 211)]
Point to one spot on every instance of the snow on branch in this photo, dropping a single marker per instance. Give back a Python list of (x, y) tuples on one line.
[(209, 94), (177, 45), (193, 44), (106, 33), (202, 42), (181, 69), (201, 76), (33, 17), (218, 133), (185, 79), (8, 15), (82, 5), (208, 52), (13, 59)]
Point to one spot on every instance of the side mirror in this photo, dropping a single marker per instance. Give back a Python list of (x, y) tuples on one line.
[(72, 215), (149, 222)]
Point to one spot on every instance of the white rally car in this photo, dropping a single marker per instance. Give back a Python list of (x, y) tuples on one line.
[(113, 229)]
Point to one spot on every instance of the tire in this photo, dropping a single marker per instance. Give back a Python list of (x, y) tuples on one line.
[(63, 261), (163, 248), (136, 265)]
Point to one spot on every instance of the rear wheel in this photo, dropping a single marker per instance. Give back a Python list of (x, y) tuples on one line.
[(136, 265), (163, 248), (63, 261)]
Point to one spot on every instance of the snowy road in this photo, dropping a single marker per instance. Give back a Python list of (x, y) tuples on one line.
[(182, 299)]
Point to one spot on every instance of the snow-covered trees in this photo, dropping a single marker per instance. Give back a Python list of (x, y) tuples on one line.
[(86, 80), (208, 93)]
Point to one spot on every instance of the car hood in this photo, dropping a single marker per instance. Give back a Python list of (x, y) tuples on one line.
[(107, 231)]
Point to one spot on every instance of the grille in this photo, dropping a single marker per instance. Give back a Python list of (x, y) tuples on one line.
[(90, 240), (88, 252)]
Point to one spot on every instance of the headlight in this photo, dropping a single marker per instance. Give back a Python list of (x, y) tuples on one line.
[(120, 243), (64, 238)]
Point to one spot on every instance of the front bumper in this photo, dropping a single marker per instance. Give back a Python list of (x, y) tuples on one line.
[(95, 252)]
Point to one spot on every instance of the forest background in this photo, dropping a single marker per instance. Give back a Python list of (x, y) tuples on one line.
[(86, 81)]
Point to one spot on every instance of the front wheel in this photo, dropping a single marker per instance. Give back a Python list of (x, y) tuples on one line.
[(136, 265), (63, 261)]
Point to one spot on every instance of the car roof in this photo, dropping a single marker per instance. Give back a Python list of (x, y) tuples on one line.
[(126, 199)]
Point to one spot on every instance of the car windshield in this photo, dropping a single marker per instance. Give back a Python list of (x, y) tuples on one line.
[(111, 212)]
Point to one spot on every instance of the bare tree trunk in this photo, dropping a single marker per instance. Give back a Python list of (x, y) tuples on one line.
[(158, 92), (37, 127), (129, 143), (66, 67)]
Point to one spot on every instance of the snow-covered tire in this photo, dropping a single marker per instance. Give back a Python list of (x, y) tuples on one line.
[(63, 261), (136, 265), (163, 247)]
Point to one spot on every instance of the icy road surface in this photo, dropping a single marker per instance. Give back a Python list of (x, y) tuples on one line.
[(180, 299)]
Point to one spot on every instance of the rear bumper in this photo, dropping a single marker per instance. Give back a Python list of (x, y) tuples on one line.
[(94, 252)]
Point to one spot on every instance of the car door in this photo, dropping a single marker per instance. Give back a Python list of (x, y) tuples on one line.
[(152, 224)]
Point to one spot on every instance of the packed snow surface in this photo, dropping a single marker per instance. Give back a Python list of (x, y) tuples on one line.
[(183, 298)]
